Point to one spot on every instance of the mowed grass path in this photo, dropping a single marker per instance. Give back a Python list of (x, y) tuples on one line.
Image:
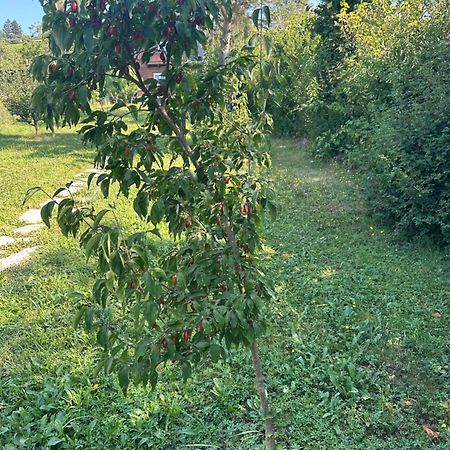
[(356, 352)]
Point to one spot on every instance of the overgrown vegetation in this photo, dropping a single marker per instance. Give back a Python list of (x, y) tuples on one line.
[(373, 84)]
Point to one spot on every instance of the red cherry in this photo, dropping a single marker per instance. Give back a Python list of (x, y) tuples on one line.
[(245, 209), (180, 2), (171, 30), (226, 179), (52, 67), (186, 334), (137, 36), (188, 224), (174, 280), (161, 300), (74, 7), (72, 22), (179, 77), (152, 9), (132, 285), (73, 95), (164, 343), (69, 71)]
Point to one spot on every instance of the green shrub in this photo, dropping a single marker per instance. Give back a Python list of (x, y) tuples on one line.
[(5, 116), (392, 98)]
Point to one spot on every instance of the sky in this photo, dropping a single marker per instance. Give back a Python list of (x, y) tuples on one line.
[(26, 12)]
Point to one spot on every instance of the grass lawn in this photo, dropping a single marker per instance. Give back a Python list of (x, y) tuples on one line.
[(356, 356)]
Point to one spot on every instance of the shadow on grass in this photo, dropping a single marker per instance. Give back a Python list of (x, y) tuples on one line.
[(46, 145)]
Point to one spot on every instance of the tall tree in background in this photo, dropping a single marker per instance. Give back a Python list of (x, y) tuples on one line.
[(12, 30)]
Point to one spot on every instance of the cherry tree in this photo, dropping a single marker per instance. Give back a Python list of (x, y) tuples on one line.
[(188, 285)]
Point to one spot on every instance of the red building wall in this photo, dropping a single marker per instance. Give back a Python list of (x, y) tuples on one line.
[(154, 66)]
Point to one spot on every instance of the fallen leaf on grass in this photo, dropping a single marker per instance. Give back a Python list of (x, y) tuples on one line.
[(433, 434), (436, 314)]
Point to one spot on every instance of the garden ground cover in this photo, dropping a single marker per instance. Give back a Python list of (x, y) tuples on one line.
[(356, 352)]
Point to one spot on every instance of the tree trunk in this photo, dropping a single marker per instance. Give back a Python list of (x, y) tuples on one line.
[(225, 37), (265, 408), (35, 124)]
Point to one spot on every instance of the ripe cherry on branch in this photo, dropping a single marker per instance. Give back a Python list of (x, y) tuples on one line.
[(74, 7), (186, 334)]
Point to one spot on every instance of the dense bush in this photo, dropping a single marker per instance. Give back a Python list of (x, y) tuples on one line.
[(375, 92), (398, 132)]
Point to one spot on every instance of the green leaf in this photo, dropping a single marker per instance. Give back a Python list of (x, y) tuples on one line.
[(186, 370), (124, 378), (116, 263), (46, 212), (104, 187), (151, 311), (256, 17), (152, 286), (54, 441), (142, 347), (89, 317), (140, 204), (30, 192), (102, 336), (267, 41), (215, 350), (60, 34), (78, 316), (99, 217), (92, 244), (157, 212), (266, 14)]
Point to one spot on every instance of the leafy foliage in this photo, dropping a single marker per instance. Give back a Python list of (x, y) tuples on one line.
[(400, 137), (373, 93), (294, 48), (189, 178)]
